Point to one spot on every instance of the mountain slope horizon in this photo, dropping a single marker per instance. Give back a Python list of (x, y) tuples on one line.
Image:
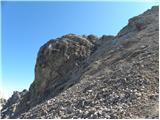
[(95, 77)]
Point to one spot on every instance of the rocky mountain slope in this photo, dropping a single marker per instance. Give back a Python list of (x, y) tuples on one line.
[(2, 102), (10, 106), (90, 77)]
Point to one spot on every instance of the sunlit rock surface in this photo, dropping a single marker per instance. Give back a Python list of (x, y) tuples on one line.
[(91, 77)]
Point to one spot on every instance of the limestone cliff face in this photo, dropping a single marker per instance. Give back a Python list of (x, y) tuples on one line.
[(91, 77)]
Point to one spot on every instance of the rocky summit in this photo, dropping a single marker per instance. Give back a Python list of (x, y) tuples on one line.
[(95, 77)]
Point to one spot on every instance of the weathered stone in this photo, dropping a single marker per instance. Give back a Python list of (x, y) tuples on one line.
[(11, 104), (91, 77)]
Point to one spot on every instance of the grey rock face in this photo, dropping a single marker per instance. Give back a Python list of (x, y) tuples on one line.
[(2, 102), (140, 22), (9, 107), (91, 77), (57, 62), (59, 65)]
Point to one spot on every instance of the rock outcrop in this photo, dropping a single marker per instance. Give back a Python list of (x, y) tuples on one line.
[(91, 77), (58, 65), (10, 105), (2, 102)]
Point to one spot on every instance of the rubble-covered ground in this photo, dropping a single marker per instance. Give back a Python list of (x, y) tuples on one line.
[(116, 77)]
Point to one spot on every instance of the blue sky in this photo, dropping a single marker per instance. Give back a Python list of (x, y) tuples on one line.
[(26, 26)]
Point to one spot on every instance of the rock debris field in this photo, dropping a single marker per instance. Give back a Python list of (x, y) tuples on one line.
[(85, 76)]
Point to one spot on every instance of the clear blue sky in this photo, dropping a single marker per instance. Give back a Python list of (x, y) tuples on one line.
[(28, 25)]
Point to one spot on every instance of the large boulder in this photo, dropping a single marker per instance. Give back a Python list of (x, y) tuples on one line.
[(58, 64)]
